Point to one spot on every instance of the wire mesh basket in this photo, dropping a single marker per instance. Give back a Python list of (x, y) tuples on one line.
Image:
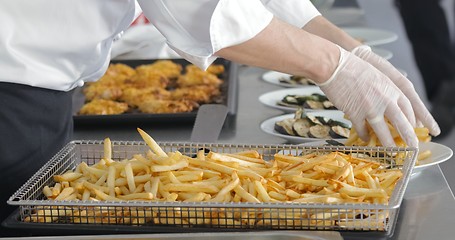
[(33, 206)]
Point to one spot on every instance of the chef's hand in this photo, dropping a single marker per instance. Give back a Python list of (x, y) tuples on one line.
[(367, 95), (422, 114)]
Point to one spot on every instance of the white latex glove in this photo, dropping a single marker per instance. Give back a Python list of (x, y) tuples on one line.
[(365, 94), (423, 116)]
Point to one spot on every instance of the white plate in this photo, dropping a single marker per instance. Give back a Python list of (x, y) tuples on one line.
[(382, 52), (274, 78), (405, 74), (371, 36), (343, 15), (270, 99), (439, 153), (322, 5), (268, 126)]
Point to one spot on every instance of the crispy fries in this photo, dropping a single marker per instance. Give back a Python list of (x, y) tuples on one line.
[(423, 134), (332, 178)]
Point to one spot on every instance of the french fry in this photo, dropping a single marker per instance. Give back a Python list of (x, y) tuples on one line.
[(94, 187), (164, 168), (103, 196), (245, 195), (139, 188), (221, 196), (357, 192), (47, 192), (130, 177), (277, 196), (137, 179), (262, 192), (189, 177), (423, 155), (111, 180), (135, 196), (227, 158), (292, 194), (422, 133), (212, 166), (332, 178), (248, 157), (107, 150), (151, 143), (191, 187), (319, 183), (102, 179), (69, 177), (86, 195), (197, 197), (249, 154), (65, 193), (56, 189)]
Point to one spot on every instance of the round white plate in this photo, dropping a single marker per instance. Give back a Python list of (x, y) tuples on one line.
[(405, 74), (382, 52), (343, 15), (322, 5), (270, 99), (274, 78), (371, 36), (268, 126), (439, 153)]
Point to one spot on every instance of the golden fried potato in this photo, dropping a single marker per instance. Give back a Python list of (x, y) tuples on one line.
[(149, 77), (167, 106), (167, 67), (134, 96), (198, 93), (103, 107), (154, 88), (111, 84), (195, 76), (216, 69), (120, 69), (101, 91)]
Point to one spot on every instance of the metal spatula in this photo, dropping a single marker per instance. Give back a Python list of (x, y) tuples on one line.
[(209, 121)]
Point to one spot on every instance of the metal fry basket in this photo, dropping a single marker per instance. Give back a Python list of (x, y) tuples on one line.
[(290, 216)]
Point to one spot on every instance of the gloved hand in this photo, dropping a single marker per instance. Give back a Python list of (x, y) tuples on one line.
[(367, 95), (423, 116)]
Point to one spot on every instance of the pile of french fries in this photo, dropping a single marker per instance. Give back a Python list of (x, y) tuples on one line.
[(332, 178), (423, 134)]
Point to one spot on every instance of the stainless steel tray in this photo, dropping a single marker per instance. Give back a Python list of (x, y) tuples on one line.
[(228, 97), (293, 216), (285, 235)]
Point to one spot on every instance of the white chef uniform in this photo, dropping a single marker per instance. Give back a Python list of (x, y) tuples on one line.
[(49, 47), (60, 44)]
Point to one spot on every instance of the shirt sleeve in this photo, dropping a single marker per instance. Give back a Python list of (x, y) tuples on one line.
[(197, 29), (295, 12)]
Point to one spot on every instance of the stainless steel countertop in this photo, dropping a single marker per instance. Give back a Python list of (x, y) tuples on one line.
[(428, 208)]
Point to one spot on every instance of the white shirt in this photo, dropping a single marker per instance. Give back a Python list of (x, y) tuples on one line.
[(60, 44)]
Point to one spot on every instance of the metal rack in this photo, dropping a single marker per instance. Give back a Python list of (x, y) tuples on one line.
[(295, 216)]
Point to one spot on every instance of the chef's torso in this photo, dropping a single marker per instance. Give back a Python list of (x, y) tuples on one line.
[(59, 44)]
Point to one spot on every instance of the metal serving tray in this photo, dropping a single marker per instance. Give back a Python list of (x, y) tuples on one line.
[(228, 97), (286, 216)]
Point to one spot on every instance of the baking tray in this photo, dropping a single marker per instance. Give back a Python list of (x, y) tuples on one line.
[(45, 229), (229, 96), (283, 216), (72, 231)]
